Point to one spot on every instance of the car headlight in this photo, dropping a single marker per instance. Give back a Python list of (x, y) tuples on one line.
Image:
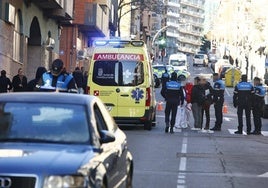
[(64, 182)]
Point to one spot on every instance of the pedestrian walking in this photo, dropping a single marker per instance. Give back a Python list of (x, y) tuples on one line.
[(174, 97), (242, 99), (207, 93), (19, 82), (197, 99), (5, 83), (79, 79), (258, 105), (33, 85), (218, 100)]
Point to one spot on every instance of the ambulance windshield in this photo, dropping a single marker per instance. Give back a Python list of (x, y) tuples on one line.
[(118, 73)]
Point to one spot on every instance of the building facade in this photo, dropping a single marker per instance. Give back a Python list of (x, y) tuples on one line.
[(93, 19), (192, 15), (30, 32)]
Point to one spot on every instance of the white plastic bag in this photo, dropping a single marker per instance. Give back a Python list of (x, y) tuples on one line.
[(180, 118), (183, 116)]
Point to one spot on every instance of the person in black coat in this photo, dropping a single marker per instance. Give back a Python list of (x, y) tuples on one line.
[(31, 86), (197, 99), (79, 79), (19, 82), (5, 83)]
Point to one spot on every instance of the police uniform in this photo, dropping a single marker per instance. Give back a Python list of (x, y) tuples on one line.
[(64, 82), (218, 100), (242, 99), (257, 107), (174, 96), (164, 79)]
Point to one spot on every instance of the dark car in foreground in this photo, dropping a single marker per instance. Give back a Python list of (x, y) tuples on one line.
[(56, 140)]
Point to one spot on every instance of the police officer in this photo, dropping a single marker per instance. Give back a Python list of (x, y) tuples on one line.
[(242, 99), (257, 105), (58, 79), (218, 100), (174, 97), (164, 79)]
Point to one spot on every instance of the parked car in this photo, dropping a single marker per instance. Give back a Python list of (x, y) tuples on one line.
[(200, 59), (61, 140)]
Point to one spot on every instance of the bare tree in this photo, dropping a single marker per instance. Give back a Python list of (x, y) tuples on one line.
[(125, 7)]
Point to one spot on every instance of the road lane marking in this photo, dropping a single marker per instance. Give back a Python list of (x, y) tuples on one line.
[(226, 90), (265, 175), (181, 182)]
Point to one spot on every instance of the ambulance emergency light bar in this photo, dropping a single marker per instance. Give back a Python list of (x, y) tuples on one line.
[(136, 43)]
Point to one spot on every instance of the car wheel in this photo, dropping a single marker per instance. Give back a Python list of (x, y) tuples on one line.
[(154, 121), (148, 125), (129, 180), (181, 78)]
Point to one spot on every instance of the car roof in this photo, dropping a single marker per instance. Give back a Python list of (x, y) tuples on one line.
[(46, 97)]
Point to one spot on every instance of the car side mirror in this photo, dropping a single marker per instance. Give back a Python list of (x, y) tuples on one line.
[(106, 137)]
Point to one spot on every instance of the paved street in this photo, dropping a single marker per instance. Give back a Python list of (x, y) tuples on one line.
[(196, 159)]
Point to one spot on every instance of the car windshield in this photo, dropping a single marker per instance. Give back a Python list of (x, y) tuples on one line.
[(176, 62), (43, 122), (115, 73), (199, 56), (159, 69)]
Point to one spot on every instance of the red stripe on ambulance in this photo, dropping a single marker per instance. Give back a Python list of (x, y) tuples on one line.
[(115, 56)]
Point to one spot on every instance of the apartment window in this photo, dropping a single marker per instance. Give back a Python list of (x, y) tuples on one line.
[(17, 38)]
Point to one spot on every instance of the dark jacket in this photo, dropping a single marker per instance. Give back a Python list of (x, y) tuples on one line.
[(243, 94), (207, 91), (5, 84), (258, 97), (174, 93), (19, 85), (31, 86), (198, 95), (78, 77), (218, 91)]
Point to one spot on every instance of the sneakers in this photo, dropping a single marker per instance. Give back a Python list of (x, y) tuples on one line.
[(216, 129), (238, 132), (256, 133)]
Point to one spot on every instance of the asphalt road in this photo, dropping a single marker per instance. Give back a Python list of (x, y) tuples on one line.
[(196, 159)]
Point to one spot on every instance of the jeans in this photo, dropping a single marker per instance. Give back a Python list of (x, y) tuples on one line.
[(197, 113)]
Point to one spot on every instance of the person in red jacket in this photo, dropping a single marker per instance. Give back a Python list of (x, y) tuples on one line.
[(188, 92)]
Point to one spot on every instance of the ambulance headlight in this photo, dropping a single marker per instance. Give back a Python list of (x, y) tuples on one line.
[(64, 181)]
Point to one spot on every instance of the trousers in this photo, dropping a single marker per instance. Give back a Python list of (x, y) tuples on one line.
[(240, 110), (197, 114), (171, 108)]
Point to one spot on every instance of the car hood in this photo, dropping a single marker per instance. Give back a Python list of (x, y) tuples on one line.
[(43, 158)]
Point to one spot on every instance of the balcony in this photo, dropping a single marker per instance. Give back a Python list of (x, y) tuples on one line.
[(61, 10), (172, 34), (192, 13), (172, 14), (172, 4), (192, 4), (96, 21)]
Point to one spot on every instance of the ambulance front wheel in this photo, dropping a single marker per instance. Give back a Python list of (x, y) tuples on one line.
[(148, 125)]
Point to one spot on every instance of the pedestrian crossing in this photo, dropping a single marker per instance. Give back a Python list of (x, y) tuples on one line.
[(198, 130)]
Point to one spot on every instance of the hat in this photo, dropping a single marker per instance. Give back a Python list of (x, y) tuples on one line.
[(57, 66), (173, 76)]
